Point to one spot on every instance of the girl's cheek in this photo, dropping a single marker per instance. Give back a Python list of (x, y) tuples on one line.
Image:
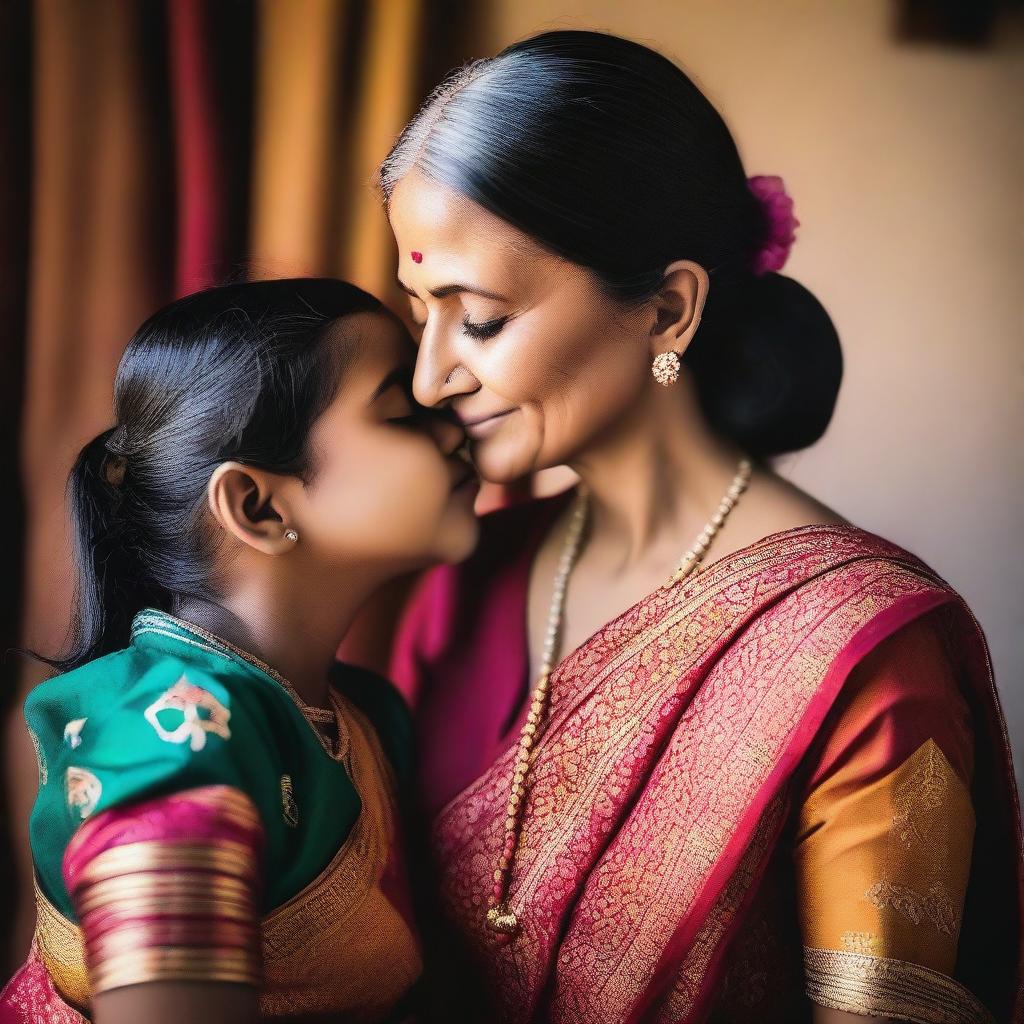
[(395, 467)]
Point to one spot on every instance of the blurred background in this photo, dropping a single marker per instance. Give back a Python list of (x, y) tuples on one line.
[(151, 148)]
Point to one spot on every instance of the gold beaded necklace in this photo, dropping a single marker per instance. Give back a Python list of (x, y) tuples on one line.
[(500, 918)]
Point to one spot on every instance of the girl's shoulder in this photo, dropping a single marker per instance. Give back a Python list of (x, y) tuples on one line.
[(144, 711), (156, 719)]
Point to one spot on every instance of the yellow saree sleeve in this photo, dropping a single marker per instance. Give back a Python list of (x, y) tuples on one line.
[(885, 832)]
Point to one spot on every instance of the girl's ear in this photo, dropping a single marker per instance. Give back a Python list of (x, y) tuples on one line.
[(678, 307), (247, 503)]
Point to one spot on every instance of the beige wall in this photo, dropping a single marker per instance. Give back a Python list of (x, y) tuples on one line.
[(906, 165)]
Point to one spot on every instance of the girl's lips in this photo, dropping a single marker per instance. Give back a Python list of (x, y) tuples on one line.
[(483, 427)]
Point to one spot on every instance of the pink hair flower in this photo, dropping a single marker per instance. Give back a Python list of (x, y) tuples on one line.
[(779, 220)]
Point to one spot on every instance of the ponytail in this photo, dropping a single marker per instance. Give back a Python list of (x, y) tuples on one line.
[(112, 578)]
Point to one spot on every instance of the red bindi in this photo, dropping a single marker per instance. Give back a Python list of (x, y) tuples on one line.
[(417, 257)]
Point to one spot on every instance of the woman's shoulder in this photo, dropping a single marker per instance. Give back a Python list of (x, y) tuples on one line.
[(824, 544)]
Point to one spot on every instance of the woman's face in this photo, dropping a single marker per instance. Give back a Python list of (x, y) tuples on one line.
[(389, 489), (531, 354)]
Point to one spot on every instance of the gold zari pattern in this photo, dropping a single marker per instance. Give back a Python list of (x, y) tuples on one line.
[(61, 949), (881, 987), (324, 948)]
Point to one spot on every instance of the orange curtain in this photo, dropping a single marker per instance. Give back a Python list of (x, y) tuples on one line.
[(160, 148)]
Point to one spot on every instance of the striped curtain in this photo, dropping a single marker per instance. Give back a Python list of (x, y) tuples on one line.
[(150, 150)]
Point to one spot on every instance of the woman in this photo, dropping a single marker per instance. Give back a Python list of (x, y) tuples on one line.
[(215, 835), (768, 779)]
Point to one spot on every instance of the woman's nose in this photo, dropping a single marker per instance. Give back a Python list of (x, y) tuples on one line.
[(438, 375)]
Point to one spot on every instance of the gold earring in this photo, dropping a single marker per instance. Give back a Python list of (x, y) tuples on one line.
[(666, 368), (292, 535)]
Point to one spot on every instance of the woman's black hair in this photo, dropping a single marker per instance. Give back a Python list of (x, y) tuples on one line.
[(240, 372), (604, 152)]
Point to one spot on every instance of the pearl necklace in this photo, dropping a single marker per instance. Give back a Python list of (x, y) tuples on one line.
[(500, 918)]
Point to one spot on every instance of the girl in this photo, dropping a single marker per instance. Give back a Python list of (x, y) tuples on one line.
[(694, 747), (215, 832)]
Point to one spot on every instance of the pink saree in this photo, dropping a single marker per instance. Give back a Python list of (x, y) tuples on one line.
[(664, 778)]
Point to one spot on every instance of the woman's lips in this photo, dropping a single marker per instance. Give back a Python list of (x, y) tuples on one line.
[(484, 426)]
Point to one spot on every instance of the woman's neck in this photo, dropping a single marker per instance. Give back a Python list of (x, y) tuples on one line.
[(654, 481), (298, 638)]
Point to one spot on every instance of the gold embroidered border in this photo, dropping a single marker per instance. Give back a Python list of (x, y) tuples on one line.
[(323, 949), (59, 944), (880, 987), (337, 892)]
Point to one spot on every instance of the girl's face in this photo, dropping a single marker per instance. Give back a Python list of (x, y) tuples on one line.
[(535, 359), (389, 491)]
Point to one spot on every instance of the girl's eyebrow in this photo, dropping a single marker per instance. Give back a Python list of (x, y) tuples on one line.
[(399, 377), (451, 289)]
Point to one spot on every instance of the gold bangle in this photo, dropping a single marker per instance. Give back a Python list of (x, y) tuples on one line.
[(225, 856), (183, 904), (194, 936), (171, 964), (149, 886)]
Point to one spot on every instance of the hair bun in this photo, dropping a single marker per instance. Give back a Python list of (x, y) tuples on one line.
[(767, 364)]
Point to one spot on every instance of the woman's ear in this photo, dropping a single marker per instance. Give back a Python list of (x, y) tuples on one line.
[(247, 503), (678, 307)]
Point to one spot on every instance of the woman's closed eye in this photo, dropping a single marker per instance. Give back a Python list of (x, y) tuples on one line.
[(485, 329)]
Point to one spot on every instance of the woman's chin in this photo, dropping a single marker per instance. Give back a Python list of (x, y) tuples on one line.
[(499, 461)]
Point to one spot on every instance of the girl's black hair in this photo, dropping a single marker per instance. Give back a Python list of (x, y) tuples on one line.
[(604, 152), (240, 372)]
